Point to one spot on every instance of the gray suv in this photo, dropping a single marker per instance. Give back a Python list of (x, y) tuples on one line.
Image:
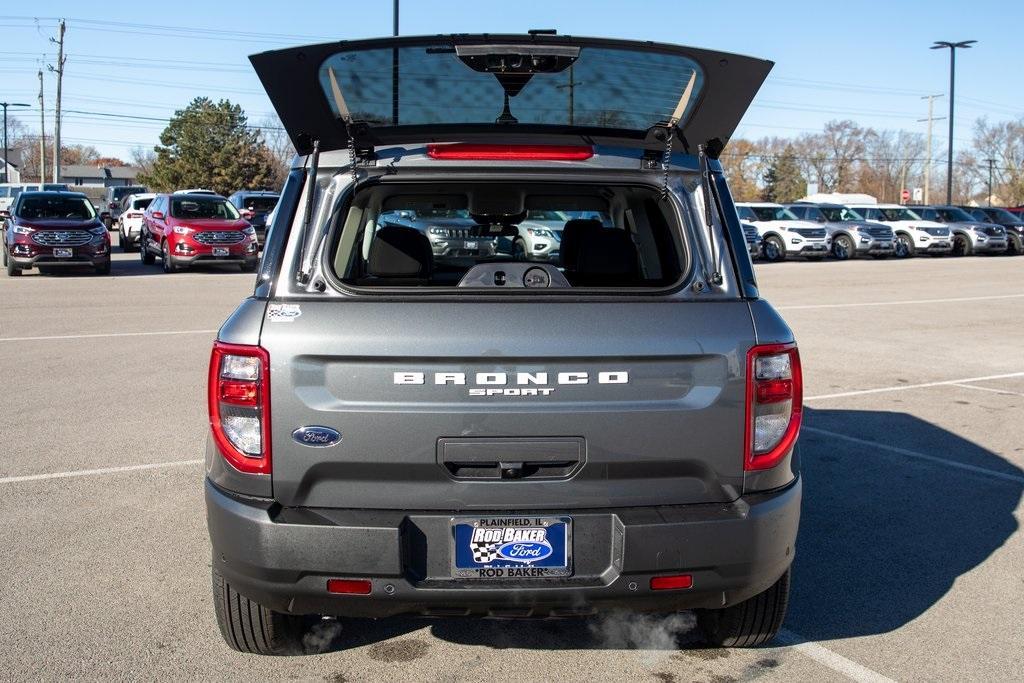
[(397, 430)]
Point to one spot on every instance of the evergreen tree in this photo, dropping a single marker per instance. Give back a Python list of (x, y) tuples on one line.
[(782, 179), (208, 145)]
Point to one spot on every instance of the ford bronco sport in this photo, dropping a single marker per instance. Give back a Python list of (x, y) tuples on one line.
[(397, 429)]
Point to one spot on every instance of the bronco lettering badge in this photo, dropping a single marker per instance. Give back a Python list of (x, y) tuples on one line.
[(527, 383), (511, 547)]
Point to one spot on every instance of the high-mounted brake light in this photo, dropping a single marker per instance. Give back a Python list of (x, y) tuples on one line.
[(465, 151), (239, 405), (774, 404)]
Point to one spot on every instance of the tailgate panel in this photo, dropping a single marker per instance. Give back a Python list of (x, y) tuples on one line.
[(652, 394)]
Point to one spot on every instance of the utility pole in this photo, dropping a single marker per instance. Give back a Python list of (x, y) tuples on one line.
[(928, 161), (5, 105), (990, 164), (571, 87), (42, 132), (903, 180), (941, 45), (59, 70)]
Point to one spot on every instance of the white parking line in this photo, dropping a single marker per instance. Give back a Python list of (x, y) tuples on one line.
[(902, 387), (102, 470), (920, 456), (1004, 392), (105, 335), (832, 660), (903, 302)]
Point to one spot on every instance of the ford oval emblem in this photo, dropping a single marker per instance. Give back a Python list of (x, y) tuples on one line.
[(316, 437), (524, 551)]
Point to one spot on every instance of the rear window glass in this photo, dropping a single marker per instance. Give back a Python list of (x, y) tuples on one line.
[(142, 203), (43, 207), (122, 192), (595, 237), (583, 86), (259, 204), (202, 207)]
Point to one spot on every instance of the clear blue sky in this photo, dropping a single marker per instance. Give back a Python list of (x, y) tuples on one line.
[(868, 61)]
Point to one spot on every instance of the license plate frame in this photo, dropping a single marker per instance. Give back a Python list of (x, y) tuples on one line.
[(221, 251), (63, 252), (466, 550)]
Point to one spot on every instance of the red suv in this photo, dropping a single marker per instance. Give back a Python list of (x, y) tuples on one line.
[(50, 229), (188, 229)]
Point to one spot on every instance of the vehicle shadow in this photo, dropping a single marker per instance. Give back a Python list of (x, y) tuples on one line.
[(883, 537)]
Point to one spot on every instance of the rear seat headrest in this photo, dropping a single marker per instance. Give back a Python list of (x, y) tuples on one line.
[(575, 233), (608, 252), (398, 251)]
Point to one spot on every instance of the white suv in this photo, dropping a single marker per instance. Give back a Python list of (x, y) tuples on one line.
[(914, 235), (129, 221), (783, 234)]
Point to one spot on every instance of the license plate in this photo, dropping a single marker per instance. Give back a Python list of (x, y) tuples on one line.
[(511, 548), (471, 246), (221, 251), (63, 253)]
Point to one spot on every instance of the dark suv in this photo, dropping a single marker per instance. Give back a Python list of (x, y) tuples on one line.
[(55, 229), (113, 197), (255, 206), (400, 430)]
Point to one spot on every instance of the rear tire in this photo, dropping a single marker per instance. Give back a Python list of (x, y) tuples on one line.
[(774, 250), (144, 253), (252, 628), (753, 622)]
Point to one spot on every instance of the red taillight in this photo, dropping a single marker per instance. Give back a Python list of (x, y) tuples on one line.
[(464, 151), (349, 586), (774, 404), (239, 405), (669, 583)]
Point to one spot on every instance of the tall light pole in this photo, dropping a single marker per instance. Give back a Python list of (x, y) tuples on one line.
[(5, 105), (942, 45)]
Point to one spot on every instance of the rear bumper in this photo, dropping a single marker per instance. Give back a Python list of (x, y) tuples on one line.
[(283, 558)]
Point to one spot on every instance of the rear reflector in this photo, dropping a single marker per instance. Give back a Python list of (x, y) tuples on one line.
[(349, 586), (465, 151), (668, 583)]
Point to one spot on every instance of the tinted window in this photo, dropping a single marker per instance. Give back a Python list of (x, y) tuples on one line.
[(258, 203), (122, 192), (141, 203), (202, 207), (54, 206), (773, 213), (613, 88), (746, 213)]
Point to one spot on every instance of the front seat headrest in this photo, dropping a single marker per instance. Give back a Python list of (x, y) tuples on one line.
[(398, 251), (576, 232)]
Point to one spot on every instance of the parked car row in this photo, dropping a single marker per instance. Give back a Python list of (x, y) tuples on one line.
[(57, 228), (813, 231)]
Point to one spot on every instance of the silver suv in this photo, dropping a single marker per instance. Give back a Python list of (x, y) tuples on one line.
[(851, 235), (970, 236), (399, 430)]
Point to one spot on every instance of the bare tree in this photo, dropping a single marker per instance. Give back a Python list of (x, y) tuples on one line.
[(1004, 142), (142, 159), (279, 145)]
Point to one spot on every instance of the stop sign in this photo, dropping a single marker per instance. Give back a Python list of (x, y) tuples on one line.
[(905, 195)]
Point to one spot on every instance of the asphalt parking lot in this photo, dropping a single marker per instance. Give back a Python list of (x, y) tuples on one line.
[(908, 563)]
